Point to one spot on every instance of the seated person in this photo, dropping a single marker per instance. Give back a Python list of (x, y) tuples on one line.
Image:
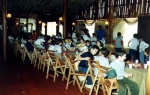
[(69, 43), (83, 65), (88, 44), (29, 45), (84, 36), (93, 39), (112, 57), (99, 44), (81, 43), (39, 43), (23, 41), (102, 59), (58, 48), (122, 77), (47, 42)]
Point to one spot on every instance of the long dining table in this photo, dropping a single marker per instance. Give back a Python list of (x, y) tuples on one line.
[(140, 77)]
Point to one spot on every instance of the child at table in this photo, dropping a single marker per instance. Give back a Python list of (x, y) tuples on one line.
[(122, 76)]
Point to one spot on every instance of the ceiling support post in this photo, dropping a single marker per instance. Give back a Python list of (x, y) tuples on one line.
[(64, 17), (4, 12)]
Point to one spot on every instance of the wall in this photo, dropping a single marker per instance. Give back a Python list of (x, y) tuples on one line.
[(144, 28)]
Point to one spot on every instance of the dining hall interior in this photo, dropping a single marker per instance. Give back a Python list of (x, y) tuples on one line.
[(72, 47)]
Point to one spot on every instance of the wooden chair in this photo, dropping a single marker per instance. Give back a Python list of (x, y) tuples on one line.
[(30, 55), (54, 63), (17, 48), (42, 59), (75, 74), (107, 85)]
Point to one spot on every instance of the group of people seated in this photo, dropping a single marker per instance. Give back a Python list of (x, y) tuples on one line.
[(87, 50)]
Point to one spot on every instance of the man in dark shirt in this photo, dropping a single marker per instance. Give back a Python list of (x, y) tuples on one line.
[(29, 45), (83, 65)]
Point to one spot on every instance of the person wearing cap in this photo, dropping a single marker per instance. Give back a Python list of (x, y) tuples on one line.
[(122, 77), (111, 75)]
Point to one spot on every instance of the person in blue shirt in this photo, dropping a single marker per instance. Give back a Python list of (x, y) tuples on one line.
[(101, 34), (118, 42)]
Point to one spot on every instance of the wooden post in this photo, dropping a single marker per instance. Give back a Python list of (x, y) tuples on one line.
[(110, 22), (148, 81), (4, 12), (27, 23), (19, 26), (64, 17), (45, 28)]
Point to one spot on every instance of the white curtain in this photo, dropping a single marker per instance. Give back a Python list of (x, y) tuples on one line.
[(91, 28), (127, 30)]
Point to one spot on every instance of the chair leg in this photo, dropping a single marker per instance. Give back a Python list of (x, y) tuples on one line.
[(47, 72), (55, 74), (78, 83), (68, 80), (93, 85), (64, 74)]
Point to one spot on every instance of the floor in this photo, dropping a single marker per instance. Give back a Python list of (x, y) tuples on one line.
[(21, 78)]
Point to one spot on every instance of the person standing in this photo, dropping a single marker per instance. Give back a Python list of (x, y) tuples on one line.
[(134, 42), (118, 42), (101, 34), (34, 35), (74, 35), (85, 30), (143, 45)]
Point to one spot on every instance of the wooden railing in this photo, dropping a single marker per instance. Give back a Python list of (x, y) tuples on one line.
[(115, 8)]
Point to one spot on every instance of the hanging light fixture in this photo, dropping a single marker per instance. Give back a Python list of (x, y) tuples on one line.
[(60, 18), (40, 22), (9, 15), (106, 23), (73, 23), (25, 23)]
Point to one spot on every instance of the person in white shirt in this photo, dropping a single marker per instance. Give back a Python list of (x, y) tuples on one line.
[(51, 47), (143, 45), (84, 36), (58, 48), (23, 42), (59, 36), (11, 38), (74, 35), (39, 43), (134, 42), (93, 39), (102, 59)]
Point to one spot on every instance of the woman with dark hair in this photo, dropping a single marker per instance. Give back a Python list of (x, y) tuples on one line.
[(99, 44), (47, 42), (88, 44)]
